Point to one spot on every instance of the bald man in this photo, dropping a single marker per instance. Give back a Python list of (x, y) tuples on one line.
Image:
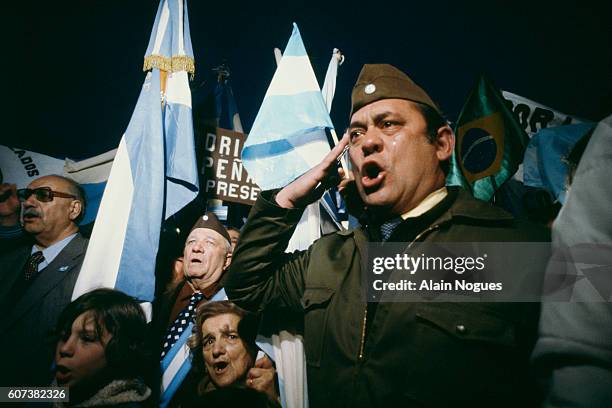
[(37, 279)]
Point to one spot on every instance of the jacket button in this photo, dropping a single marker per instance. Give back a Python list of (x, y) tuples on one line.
[(460, 329)]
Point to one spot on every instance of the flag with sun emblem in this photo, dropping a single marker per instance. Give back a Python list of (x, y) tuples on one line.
[(489, 142)]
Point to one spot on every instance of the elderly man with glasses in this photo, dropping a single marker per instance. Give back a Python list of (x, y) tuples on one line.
[(37, 279)]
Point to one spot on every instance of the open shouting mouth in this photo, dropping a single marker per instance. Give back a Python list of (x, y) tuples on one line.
[(220, 367), (372, 175)]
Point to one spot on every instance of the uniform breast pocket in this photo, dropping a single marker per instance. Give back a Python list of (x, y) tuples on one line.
[(467, 323), (467, 347), (315, 302)]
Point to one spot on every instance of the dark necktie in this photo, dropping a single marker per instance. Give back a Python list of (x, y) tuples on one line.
[(180, 323), (388, 227), (31, 267)]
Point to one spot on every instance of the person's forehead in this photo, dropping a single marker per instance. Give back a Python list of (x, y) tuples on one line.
[(391, 106), (48, 181), (86, 320), (205, 233), (219, 323)]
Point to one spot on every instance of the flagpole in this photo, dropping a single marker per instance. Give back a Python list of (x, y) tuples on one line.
[(343, 157)]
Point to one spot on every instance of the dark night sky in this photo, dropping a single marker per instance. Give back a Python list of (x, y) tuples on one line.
[(75, 67)]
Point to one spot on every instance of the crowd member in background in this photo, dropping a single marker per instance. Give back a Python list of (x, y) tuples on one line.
[(11, 232), (37, 280), (101, 352), (573, 354), (234, 234), (224, 352), (366, 354), (177, 274)]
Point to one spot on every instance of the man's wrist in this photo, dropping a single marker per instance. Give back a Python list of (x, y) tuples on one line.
[(282, 201)]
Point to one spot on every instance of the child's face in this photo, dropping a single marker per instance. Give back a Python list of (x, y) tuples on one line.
[(79, 355)]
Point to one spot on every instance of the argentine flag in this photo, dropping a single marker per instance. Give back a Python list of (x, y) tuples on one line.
[(154, 173), (288, 136)]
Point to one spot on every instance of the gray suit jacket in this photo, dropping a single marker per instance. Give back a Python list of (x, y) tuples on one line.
[(26, 347)]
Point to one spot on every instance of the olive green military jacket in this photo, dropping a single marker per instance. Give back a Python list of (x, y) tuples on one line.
[(411, 354)]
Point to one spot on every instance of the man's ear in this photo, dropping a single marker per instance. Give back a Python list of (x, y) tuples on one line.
[(445, 143), (228, 260), (76, 207)]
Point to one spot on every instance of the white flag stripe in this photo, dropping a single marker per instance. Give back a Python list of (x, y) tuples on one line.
[(106, 243), (181, 355), (177, 89), (294, 75), (161, 29), (314, 152), (181, 41)]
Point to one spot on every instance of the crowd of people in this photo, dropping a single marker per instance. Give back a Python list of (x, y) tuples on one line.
[(357, 353)]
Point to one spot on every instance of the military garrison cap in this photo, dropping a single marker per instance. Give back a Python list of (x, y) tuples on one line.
[(384, 81), (210, 221)]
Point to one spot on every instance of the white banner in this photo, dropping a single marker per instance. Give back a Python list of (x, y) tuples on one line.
[(534, 116), (19, 166)]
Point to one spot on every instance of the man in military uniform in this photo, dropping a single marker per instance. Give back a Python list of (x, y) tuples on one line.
[(384, 354)]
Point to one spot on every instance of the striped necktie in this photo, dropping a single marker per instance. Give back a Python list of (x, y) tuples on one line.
[(31, 267), (388, 227), (180, 323)]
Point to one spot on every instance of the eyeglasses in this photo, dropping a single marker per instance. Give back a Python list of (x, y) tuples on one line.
[(42, 194)]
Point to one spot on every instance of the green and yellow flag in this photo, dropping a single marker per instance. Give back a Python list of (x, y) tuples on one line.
[(489, 142)]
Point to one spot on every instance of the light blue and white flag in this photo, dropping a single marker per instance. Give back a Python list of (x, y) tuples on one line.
[(544, 165), (154, 173), (288, 136)]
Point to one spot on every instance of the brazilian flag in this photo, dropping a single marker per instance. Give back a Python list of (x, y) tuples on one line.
[(489, 143)]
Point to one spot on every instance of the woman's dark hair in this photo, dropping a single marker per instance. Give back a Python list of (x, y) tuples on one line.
[(123, 319), (247, 329)]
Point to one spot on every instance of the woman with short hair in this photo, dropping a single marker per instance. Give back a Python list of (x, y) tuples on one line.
[(224, 353)]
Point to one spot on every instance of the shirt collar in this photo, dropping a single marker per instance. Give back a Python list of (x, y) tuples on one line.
[(427, 204), (52, 251), (208, 293)]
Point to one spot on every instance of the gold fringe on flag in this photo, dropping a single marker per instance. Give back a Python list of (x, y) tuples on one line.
[(175, 64)]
